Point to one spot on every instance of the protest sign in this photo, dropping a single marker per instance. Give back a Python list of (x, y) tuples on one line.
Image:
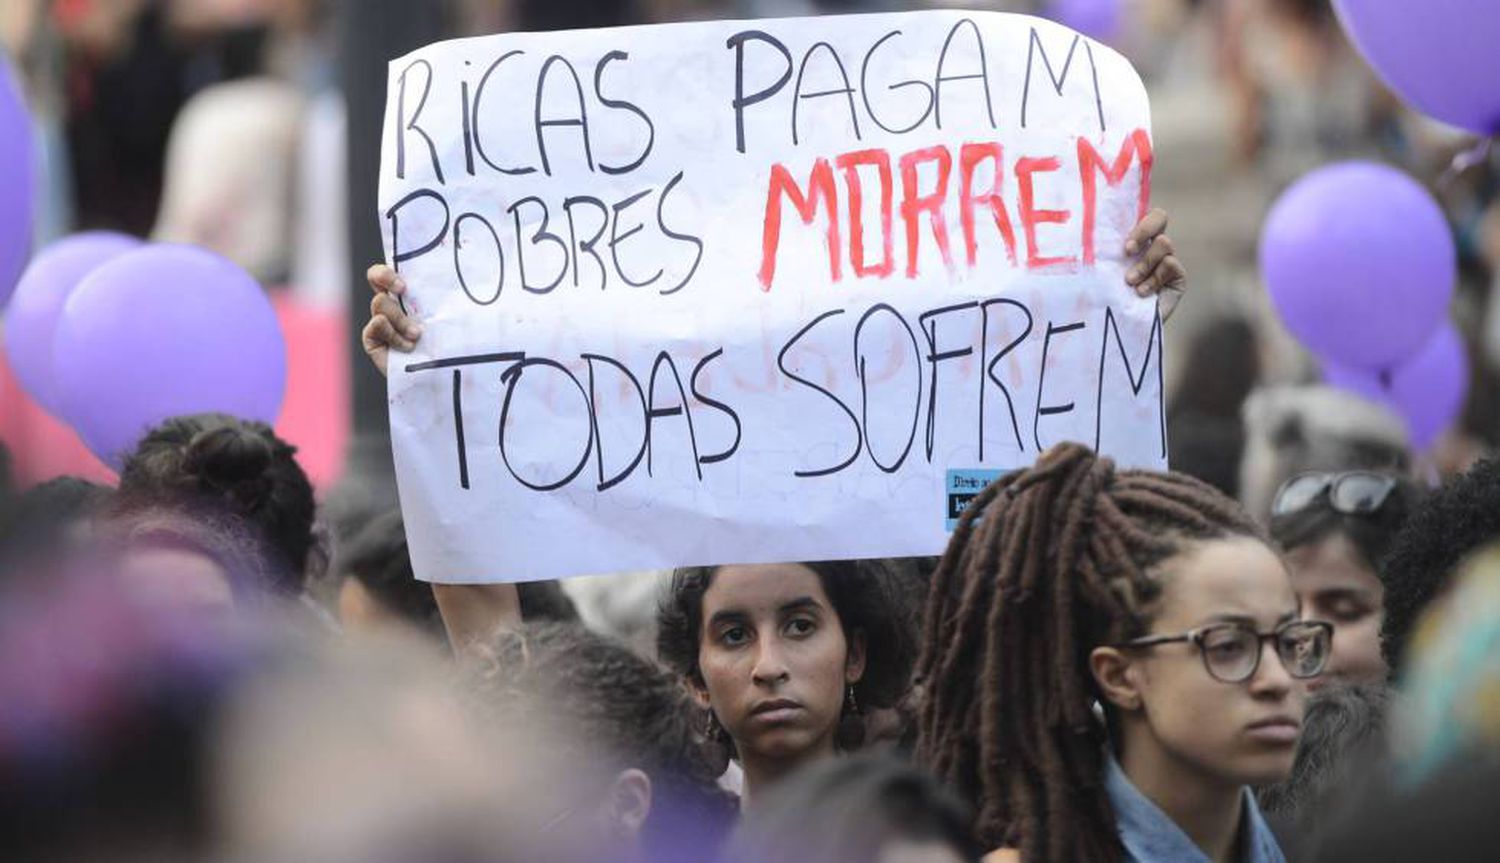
[(756, 291)]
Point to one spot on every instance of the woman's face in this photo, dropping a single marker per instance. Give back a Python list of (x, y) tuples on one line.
[(774, 659), (1335, 584), (1238, 733)]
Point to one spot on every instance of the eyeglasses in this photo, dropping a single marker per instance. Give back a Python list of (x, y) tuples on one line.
[(1350, 492), (1231, 651)]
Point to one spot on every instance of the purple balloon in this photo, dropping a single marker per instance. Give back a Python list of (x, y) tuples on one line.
[(31, 316), (16, 166), (1427, 391), (1360, 264), (1097, 19), (1441, 56), (160, 332)]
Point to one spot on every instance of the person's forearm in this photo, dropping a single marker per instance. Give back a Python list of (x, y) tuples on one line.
[(472, 613)]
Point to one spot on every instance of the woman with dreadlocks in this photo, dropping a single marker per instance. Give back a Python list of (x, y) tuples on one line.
[(1118, 624)]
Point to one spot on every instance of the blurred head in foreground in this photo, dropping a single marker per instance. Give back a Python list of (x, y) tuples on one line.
[(629, 778), (217, 466), (134, 731), (861, 809)]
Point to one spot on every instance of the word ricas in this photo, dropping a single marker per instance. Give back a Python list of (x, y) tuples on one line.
[(578, 238), (976, 203)]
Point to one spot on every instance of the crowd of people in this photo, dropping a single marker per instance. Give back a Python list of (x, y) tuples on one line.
[(1105, 664), (1285, 648)]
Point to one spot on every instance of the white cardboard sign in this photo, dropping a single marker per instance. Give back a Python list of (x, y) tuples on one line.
[(756, 291)]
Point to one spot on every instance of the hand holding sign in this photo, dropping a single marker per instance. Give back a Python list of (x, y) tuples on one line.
[(723, 292), (389, 325), (1157, 273)]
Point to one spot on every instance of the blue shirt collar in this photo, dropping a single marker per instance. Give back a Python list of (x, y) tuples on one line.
[(1150, 836)]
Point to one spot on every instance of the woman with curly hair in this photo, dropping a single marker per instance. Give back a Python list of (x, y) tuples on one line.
[(237, 470), (786, 660), (624, 774)]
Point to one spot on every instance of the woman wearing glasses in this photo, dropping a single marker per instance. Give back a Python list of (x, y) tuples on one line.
[(1335, 529), (1110, 658)]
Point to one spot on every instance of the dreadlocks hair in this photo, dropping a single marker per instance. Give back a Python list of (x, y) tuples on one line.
[(1046, 564)]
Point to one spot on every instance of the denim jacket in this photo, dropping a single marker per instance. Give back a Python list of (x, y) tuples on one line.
[(1150, 836)]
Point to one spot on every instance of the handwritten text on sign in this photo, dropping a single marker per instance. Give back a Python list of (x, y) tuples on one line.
[(747, 291)]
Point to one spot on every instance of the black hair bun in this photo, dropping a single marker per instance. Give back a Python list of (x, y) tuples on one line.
[(232, 459)]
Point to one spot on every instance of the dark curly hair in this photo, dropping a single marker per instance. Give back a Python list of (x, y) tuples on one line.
[(630, 708), (239, 468), (1455, 521), (40, 522), (863, 595)]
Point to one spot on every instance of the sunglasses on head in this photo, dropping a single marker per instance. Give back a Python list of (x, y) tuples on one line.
[(1355, 492)]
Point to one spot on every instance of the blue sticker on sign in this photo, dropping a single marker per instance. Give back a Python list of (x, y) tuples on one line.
[(962, 486)]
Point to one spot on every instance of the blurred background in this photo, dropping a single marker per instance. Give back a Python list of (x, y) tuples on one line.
[(250, 128), (247, 127)]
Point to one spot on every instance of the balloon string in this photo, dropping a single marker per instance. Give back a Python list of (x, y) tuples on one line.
[(1464, 160)]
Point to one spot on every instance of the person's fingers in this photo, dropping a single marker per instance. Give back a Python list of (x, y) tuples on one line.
[(1159, 251), (1168, 284), (1154, 283), (1167, 302), (380, 333), (376, 333), (385, 305), (1171, 275), (375, 338), (1150, 226), (383, 278)]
